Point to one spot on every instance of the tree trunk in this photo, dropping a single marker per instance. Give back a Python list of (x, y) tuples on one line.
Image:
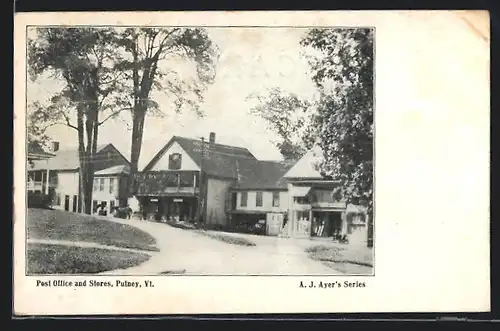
[(86, 189), (87, 128), (370, 229), (137, 134)]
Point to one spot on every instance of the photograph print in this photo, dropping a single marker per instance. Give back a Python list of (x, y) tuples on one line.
[(169, 151)]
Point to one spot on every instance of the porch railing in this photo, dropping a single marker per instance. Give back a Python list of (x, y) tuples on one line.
[(35, 186), (39, 185)]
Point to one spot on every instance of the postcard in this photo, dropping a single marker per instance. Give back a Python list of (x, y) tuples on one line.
[(251, 162)]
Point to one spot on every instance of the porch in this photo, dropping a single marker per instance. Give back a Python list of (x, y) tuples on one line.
[(41, 181), (169, 208)]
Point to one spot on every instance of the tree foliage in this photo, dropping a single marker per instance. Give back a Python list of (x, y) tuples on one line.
[(36, 124), (342, 69), (289, 117)]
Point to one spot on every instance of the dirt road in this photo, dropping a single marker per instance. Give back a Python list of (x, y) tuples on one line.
[(191, 253)]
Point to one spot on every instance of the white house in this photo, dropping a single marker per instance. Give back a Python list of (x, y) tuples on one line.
[(111, 187), (312, 209), (259, 194), (62, 176), (38, 180)]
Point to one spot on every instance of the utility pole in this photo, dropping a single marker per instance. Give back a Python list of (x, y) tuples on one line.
[(201, 191)]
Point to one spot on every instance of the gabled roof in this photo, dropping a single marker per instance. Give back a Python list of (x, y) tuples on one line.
[(37, 165), (36, 151), (116, 170), (220, 160), (305, 167), (254, 174), (67, 159)]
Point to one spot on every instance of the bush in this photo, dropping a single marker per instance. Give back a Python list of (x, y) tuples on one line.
[(229, 239), (363, 257), (39, 200), (181, 225)]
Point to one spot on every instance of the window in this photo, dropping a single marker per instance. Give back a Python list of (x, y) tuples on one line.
[(75, 203), (301, 200), (276, 199), (244, 198), (174, 161), (101, 184), (111, 205), (96, 184), (111, 185), (258, 199)]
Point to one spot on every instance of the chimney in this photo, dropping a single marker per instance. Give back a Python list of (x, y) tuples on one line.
[(55, 146), (211, 138)]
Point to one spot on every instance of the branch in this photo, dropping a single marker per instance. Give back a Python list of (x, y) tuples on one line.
[(43, 130), (68, 123), (113, 114)]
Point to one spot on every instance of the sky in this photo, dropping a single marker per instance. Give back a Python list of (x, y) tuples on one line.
[(252, 60)]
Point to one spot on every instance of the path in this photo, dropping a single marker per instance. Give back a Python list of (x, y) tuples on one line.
[(86, 244), (189, 252)]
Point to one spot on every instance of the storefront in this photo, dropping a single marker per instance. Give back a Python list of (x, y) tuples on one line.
[(314, 212), (168, 195), (169, 208)]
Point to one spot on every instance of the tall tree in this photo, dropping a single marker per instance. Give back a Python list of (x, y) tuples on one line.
[(81, 58), (146, 66), (289, 117), (342, 70)]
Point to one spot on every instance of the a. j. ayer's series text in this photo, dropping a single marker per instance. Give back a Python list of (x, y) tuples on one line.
[(334, 284)]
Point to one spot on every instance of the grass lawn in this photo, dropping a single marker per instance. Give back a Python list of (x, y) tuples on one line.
[(58, 259), (229, 239), (63, 225), (350, 260)]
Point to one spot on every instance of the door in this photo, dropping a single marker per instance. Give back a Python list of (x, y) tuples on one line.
[(66, 202), (335, 223), (176, 211), (75, 203)]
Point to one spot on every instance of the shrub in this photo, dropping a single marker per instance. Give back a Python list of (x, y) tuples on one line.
[(229, 239), (39, 200)]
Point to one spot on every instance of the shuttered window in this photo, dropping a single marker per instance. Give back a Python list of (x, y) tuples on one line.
[(258, 199), (276, 199), (244, 198)]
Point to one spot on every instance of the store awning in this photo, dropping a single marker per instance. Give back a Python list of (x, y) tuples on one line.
[(300, 191)]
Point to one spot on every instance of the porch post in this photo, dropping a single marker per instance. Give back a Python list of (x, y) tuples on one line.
[(47, 182), (310, 222), (344, 222)]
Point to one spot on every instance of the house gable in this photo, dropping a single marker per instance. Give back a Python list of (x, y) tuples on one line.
[(109, 156), (306, 166), (217, 160), (174, 149), (67, 160)]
